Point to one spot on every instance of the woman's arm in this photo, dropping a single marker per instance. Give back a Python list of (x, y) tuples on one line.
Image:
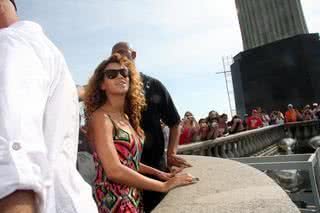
[(147, 170), (103, 142)]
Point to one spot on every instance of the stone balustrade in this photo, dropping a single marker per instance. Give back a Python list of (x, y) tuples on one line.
[(239, 145), (302, 132), (250, 142)]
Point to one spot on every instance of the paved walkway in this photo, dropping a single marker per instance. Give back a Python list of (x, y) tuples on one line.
[(226, 186)]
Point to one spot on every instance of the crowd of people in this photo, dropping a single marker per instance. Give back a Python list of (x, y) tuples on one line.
[(215, 125)]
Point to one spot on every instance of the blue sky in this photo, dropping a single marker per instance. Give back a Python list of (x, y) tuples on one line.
[(180, 42)]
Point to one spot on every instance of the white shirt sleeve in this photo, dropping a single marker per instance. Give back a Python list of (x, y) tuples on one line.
[(24, 89)]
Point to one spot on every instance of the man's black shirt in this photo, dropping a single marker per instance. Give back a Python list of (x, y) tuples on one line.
[(159, 106)]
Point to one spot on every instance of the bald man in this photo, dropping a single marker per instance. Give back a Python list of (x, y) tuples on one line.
[(38, 123), (160, 106)]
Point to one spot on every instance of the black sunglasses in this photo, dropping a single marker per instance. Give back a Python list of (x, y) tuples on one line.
[(112, 74)]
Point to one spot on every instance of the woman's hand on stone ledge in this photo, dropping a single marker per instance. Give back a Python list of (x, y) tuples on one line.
[(175, 170), (178, 180), (165, 176)]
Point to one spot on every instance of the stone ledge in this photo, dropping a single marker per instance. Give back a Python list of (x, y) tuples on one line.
[(226, 186)]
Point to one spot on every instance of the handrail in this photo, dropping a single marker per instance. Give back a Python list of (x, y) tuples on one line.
[(225, 138)]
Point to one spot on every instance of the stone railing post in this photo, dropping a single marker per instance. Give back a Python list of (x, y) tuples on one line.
[(234, 147), (216, 151), (240, 146)]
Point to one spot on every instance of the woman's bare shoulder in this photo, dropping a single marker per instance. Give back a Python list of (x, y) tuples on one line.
[(99, 118)]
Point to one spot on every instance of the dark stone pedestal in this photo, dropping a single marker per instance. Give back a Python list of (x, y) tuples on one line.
[(276, 74)]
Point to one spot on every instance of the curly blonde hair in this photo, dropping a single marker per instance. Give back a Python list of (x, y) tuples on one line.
[(135, 100)]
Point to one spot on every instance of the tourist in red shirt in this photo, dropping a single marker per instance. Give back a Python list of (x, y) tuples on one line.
[(291, 114), (254, 121), (189, 128)]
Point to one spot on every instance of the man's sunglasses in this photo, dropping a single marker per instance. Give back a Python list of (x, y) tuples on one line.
[(112, 74)]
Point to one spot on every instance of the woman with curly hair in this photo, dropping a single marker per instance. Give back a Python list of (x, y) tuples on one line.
[(114, 100)]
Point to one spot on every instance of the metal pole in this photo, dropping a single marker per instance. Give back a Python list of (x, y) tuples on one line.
[(225, 78)]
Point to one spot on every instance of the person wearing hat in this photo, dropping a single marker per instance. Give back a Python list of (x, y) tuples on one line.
[(307, 113), (316, 111), (291, 114), (38, 123)]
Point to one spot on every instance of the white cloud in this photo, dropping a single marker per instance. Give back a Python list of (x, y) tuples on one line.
[(199, 32)]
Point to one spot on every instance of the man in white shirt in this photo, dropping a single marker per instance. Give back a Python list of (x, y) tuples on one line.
[(38, 123)]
